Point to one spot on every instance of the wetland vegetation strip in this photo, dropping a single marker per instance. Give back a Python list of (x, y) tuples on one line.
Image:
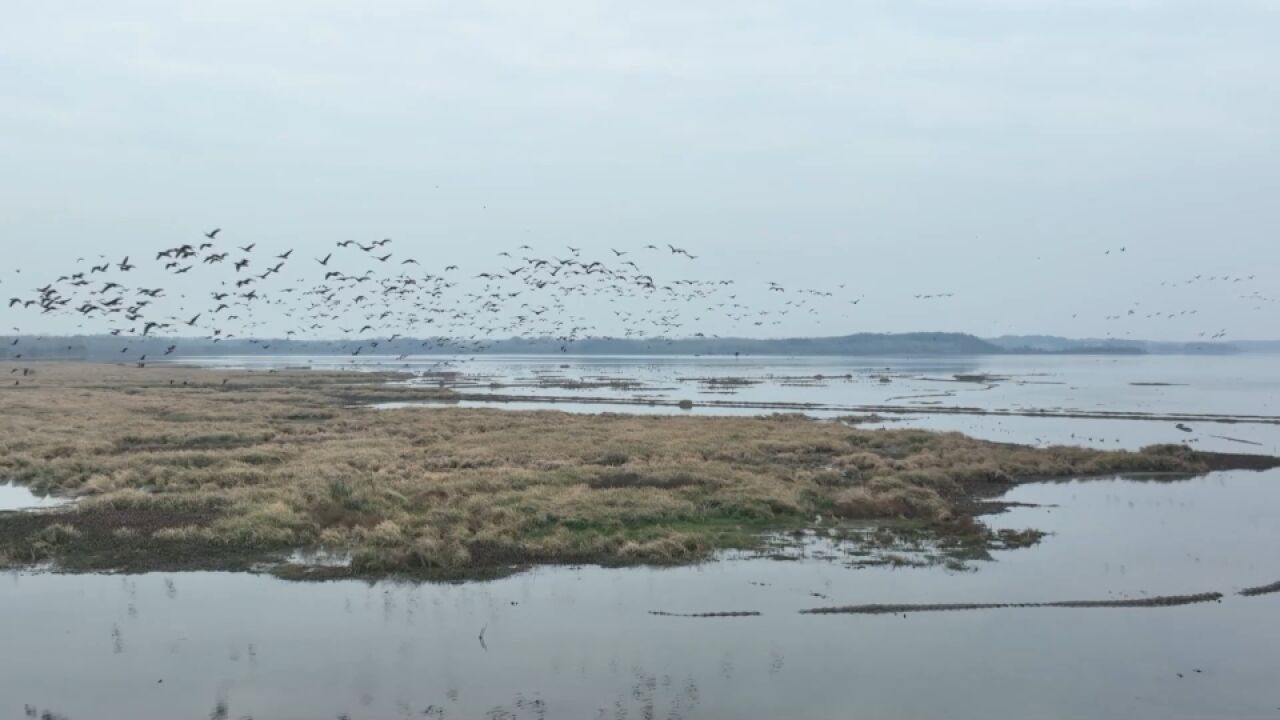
[(1236, 440), (1229, 419), (741, 613), (893, 609), (1261, 590)]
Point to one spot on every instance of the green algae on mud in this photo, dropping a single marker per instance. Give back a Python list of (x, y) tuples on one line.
[(184, 468)]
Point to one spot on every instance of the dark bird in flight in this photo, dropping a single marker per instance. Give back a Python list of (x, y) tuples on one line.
[(325, 261), (249, 247), (213, 234)]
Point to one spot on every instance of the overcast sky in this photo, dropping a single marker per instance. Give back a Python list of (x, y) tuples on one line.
[(993, 149)]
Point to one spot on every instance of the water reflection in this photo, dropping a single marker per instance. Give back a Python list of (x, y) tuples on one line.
[(17, 497), (581, 642)]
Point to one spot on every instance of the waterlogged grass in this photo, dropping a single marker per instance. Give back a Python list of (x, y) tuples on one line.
[(179, 467)]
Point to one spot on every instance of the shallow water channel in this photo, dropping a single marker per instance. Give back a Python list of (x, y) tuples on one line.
[(582, 642)]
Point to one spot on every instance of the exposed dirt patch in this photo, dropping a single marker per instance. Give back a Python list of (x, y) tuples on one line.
[(124, 540), (1237, 461)]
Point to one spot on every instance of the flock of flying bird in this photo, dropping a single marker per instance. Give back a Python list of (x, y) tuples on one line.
[(372, 293)]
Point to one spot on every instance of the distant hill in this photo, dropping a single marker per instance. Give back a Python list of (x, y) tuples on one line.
[(1062, 345), (1057, 344), (110, 348), (918, 343), (1257, 346)]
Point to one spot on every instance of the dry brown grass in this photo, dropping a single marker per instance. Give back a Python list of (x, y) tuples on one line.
[(174, 463)]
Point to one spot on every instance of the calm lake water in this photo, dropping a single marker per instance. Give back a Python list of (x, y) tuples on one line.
[(1243, 389), (581, 642)]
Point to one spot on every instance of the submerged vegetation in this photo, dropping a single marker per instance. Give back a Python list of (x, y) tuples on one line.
[(176, 467)]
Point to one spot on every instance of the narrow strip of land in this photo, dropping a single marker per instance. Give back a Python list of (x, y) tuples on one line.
[(874, 409), (899, 609), (1261, 590)]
